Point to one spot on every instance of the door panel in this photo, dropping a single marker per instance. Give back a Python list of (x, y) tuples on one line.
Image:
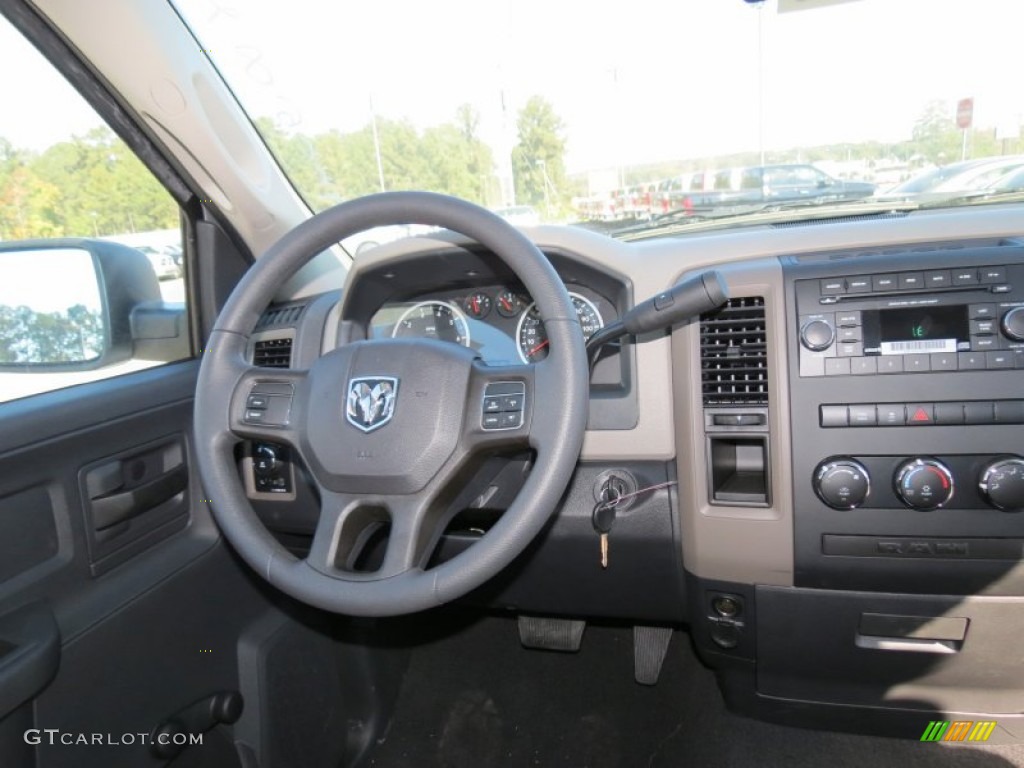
[(147, 607)]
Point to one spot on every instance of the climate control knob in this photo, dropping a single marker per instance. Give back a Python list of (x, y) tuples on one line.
[(817, 335), (1012, 324), (1002, 484), (842, 483), (923, 484)]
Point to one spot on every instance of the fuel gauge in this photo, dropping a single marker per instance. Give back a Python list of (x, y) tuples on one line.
[(478, 305), (509, 304)]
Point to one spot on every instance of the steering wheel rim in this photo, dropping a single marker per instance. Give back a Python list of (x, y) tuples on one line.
[(553, 421)]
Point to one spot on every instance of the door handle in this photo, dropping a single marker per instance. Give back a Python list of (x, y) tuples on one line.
[(117, 507), (29, 654)]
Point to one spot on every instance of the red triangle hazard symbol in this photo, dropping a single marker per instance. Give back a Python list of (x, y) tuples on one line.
[(921, 415)]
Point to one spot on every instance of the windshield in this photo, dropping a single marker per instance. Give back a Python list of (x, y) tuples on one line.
[(586, 114)]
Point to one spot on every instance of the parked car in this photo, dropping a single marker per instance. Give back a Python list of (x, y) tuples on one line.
[(945, 180)]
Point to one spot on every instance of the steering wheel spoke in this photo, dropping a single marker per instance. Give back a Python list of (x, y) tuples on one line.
[(351, 523)]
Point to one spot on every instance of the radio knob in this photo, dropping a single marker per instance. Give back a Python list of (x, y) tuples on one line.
[(1002, 484), (1012, 324), (817, 335), (923, 484), (842, 483)]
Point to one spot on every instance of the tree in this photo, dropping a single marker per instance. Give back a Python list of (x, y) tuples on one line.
[(538, 158)]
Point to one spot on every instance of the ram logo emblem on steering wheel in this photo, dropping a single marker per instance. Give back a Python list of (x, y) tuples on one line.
[(371, 401)]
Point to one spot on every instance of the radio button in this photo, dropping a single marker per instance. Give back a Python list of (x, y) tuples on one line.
[(850, 334), (982, 311), (984, 327), (1012, 324), (993, 275), (884, 283), (837, 366), (1009, 411), (944, 361), (971, 361), (817, 335), (862, 416), (939, 278), (916, 363), (848, 319), (949, 413), (863, 366), (850, 349), (911, 281), (890, 364), (891, 414), (998, 360), (983, 343), (833, 285), (835, 416), (859, 284), (965, 276), (978, 413)]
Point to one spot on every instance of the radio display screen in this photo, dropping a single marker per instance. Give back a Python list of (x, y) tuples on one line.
[(914, 330)]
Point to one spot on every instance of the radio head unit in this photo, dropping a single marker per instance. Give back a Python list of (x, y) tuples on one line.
[(915, 322)]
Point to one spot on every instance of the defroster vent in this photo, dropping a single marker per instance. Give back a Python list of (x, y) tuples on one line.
[(272, 353), (734, 354)]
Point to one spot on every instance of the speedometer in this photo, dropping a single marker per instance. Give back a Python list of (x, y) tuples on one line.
[(433, 320), (532, 338)]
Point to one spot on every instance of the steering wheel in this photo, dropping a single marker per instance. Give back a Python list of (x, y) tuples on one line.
[(387, 428)]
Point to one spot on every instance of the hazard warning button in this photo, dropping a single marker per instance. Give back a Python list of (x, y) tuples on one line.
[(919, 414)]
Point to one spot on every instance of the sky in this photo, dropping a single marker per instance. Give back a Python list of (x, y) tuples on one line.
[(659, 80)]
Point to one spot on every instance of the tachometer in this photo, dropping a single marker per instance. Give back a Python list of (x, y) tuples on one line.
[(533, 340), (433, 320)]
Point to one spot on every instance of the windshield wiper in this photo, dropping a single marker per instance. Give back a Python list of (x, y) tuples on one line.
[(977, 197)]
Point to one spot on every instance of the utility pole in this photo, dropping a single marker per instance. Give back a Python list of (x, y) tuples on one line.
[(376, 145)]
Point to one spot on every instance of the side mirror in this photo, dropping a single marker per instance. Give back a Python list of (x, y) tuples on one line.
[(77, 304)]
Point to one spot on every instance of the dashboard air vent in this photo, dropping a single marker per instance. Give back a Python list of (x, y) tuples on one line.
[(734, 354), (285, 315), (272, 353)]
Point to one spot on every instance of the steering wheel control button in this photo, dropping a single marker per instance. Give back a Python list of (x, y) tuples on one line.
[(256, 402), (842, 483), (511, 420), (512, 403), (503, 405), (269, 403), (923, 484)]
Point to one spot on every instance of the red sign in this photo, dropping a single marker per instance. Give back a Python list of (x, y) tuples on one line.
[(964, 113)]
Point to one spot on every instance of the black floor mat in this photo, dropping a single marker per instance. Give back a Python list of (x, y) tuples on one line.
[(476, 699)]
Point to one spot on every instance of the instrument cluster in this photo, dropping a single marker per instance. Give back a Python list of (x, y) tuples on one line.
[(501, 322)]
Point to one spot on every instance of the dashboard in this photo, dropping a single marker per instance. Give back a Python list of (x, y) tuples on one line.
[(837, 456)]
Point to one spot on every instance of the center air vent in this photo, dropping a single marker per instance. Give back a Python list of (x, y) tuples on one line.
[(734, 354), (272, 353)]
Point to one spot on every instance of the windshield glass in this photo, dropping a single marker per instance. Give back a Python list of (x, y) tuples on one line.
[(571, 113)]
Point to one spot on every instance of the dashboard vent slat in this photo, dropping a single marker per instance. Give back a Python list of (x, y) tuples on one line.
[(734, 354), (282, 316), (272, 353)]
